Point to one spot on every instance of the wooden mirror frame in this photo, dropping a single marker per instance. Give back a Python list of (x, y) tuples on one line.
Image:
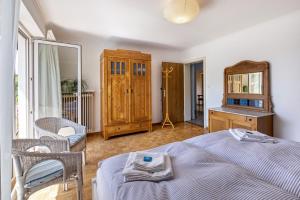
[(244, 67)]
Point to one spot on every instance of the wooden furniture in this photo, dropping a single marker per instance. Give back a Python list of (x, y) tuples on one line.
[(247, 102), (125, 92), (246, 86), (200, 102), (167, 121), (200, 99), (226, 118), (35, 170), (176, 92)]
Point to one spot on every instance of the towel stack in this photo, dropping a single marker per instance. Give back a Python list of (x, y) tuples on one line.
[(251, 136), (147, 166)]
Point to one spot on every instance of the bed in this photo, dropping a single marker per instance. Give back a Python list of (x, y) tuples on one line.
[(212, 166)]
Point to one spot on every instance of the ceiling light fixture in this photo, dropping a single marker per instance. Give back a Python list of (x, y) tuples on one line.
[(181, 11)]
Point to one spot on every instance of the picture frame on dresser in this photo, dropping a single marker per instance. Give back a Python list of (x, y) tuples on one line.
[(246, 101)]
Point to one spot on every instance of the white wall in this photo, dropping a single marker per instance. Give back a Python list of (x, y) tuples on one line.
[(92, 46), (276, 41)]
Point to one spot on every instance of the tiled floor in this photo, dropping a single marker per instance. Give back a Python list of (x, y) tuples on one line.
[(98, 149)]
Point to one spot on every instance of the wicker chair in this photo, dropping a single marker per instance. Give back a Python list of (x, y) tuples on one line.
[(35, 170), (47, 128)]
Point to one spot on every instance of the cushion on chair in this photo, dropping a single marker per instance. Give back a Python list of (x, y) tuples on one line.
[(74, 139), (43, 172), (66, 131)]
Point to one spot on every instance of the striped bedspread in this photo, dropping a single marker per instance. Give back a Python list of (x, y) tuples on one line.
[(202, 173), (278, 164)]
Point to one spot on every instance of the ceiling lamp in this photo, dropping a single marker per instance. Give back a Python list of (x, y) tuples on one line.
[(181, 11)]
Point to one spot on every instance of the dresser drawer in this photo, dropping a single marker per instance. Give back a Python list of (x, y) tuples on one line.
[(224, 121), (139, 125), (228, 116)]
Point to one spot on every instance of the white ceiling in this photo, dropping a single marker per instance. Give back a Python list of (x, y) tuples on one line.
[(142, 20)]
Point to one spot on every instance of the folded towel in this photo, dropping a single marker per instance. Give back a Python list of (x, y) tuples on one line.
[(131, 174), (251, 136), (157, 162)]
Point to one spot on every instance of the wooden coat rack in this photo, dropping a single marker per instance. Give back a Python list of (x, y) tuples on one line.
[(167, 121)]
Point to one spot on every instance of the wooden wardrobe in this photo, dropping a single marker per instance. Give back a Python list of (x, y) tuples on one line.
[(125, 92)]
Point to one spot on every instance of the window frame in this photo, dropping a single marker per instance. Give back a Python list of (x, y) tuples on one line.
[(28, 54)]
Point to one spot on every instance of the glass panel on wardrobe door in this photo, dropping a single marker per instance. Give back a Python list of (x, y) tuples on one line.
[(118, 68), (134, 68), (139, 69), (112, 69), (58, 82), (123, 68), (144, 69)]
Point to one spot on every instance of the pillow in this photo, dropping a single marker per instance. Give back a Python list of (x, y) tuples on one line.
[(66, 131), (39, 149)]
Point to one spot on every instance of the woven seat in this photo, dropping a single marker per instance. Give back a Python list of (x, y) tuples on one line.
[(43, 173), (36, 170)]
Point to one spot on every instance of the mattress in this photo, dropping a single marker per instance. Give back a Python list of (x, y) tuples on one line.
[(212, 166)]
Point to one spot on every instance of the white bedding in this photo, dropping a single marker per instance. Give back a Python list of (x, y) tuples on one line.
[(213, 166)]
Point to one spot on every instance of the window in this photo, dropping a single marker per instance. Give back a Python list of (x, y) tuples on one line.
[(21, 87)]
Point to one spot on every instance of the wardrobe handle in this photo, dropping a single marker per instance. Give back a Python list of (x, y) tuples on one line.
[(131, 90), (127, 91)]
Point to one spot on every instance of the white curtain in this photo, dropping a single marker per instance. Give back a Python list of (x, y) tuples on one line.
[(50, 100), (9, 18)]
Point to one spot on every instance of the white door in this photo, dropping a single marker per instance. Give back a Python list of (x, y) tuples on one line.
[(57, 80)]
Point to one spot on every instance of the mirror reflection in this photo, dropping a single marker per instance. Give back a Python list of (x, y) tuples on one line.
[(250, 83)]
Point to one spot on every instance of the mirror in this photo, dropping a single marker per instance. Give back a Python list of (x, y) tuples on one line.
[(246, 86), (250, 83), (255, 83)]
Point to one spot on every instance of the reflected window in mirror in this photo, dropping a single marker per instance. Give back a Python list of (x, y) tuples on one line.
[(238, 83), (255, 83), (245, 83), (247, 86)]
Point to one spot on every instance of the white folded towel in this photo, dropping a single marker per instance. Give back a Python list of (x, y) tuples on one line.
[(156, 164), (251, 136), (132, 174)]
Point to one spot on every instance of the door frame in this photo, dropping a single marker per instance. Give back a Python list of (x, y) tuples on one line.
[(35, 72), (187, 89)]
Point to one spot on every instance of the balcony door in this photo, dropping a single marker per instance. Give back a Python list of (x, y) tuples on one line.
[(57, 80)]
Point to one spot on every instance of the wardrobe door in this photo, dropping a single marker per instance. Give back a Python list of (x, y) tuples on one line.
[(118, 91), (140, 90)]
